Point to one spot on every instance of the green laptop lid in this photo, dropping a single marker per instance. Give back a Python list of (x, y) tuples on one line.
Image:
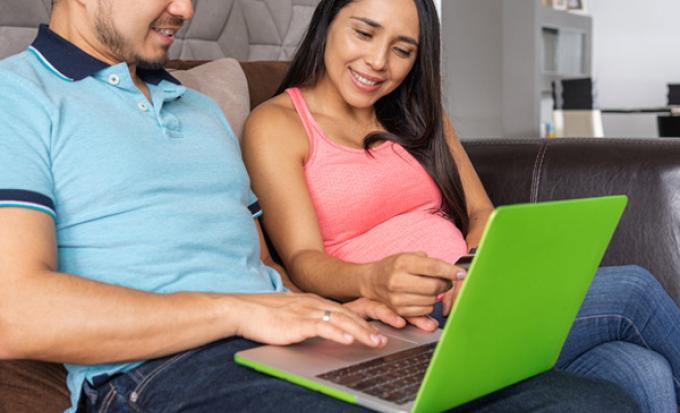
[(533, 268)]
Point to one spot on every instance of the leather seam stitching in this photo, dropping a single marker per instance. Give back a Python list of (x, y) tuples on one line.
[(536, 175)]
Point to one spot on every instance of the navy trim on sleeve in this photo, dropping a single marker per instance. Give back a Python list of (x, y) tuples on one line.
[(26, 199), (26, 196), (255, 209)]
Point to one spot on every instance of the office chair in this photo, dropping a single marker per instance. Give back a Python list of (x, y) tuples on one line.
[(669, 125), (573, 111)]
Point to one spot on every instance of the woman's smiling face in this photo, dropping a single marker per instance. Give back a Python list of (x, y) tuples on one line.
[(371, 47)]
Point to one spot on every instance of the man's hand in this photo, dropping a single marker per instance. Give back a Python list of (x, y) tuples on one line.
[(410, 283), (288, 318), (374, 310)]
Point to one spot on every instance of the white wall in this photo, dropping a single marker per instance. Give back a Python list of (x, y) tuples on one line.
[(635, 55), (473, 66)]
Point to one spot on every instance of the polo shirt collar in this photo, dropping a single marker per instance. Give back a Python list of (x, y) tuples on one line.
[(72, 63)]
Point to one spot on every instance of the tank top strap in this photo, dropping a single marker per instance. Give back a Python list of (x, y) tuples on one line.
[(305, 117)]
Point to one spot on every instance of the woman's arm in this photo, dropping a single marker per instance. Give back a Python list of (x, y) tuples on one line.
[(275, 148), (267, 259), (479, 206)]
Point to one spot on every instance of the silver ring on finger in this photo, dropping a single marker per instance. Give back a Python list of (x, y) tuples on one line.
[(326, 316)]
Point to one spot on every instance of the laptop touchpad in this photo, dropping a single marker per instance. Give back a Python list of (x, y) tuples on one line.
[(354, 353), (397, 340)]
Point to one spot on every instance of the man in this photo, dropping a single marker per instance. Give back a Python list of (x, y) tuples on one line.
[(128, 233)]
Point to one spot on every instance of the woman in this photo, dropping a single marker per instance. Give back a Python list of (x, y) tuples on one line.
[(368, 192)]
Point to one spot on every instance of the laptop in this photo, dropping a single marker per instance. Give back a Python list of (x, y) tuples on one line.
[(524, 287)]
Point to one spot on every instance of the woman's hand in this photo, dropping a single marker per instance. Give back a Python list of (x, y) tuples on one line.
[(288, 318), (410, 283), (449, 298)]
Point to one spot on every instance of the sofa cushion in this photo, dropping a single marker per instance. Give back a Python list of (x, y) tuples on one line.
[(263, 79), (224, 81)]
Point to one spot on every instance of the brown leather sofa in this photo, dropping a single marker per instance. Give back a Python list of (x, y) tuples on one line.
[(531, 170), (646, 170)]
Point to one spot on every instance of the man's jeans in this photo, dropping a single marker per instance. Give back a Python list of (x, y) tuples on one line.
[(207, 380), (627, 332)]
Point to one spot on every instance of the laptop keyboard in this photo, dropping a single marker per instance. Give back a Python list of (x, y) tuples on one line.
[(395, 377)]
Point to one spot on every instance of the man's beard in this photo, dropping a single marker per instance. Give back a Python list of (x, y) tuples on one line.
[(118, 46)]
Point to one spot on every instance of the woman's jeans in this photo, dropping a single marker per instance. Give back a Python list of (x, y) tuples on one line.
[(628, 332)]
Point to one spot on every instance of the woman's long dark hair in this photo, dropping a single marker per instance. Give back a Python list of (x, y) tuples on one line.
[(412, 114)]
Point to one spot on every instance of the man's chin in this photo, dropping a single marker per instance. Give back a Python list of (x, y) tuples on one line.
[(152, 64)]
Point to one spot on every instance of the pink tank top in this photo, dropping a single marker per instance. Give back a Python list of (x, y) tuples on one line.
[(373, 206)]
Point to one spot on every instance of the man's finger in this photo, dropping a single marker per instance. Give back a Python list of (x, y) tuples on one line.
[(330, 331), (324, 305), (381, 312), (424, 323), (364, 334), (357, 318)]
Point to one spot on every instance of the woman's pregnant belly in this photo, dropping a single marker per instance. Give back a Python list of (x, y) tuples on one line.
[(410, 232)]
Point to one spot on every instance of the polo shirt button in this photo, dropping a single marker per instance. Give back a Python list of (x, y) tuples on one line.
[(114, 79), (142, 106)]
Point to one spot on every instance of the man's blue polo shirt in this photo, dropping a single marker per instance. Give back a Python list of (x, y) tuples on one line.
[(151, 195)]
